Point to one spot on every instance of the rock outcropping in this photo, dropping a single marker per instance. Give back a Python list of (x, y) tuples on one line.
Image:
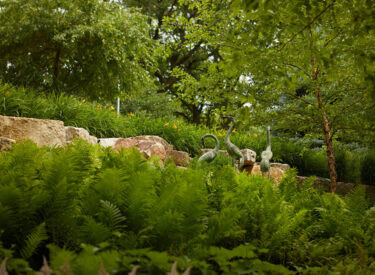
[(43, 132), (53, 133), (6, 143), (277, 171), (75, 132), (149, 146)]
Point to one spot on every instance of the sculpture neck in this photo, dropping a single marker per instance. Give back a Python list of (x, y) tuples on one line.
[(217, 143), (217, 146), (229, 130), (268, 139)]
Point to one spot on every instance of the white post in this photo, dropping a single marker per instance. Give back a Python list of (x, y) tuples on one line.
[(118, 106)]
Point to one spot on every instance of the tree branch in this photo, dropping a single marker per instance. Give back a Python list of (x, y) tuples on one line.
[(343, 111), (308, 25), (299, 68)]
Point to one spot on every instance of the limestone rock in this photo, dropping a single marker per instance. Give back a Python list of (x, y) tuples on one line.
[(41, 131), (74, 132), (282, 166), (168, 147), (180, 158), (148, 145), (276, 173), (6, 143), (107, 142)]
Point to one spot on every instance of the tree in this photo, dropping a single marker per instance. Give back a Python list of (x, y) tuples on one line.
[(310, 60), (85, 47), (300, 59), (191, 69)]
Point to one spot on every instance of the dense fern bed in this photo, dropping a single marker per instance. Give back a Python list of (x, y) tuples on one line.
[(85, 208)]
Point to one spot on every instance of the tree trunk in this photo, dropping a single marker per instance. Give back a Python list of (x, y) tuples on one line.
[(326, 129), (56, 67), (325, 123), (196, 115)]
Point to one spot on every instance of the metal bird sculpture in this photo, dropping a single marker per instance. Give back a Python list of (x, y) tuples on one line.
[(211, 155), (266, 155), (232, 149)]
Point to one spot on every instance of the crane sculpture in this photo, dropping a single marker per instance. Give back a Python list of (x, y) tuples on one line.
[(266, 155), (211, 155), (232, 149)]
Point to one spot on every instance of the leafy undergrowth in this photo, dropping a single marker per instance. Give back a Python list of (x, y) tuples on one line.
[(84, 207), (101, 121)]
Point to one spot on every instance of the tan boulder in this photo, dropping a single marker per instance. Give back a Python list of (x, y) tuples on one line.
[(282, 166), (75, 132), (180, 158), (107, 142), (276, 172), (150, 149), (168, 147), (6, 143), (41, 131), (149, 146)]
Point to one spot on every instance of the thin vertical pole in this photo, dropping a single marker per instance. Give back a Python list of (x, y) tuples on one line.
[(118, 106)]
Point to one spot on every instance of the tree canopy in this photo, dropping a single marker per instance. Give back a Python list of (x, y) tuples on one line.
[(91, 48), (305, 67)]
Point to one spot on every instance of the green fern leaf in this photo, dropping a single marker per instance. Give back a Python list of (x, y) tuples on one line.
[(33, 240), (93, 232), (111, 216)]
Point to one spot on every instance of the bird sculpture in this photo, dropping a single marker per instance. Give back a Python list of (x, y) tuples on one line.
[(266, 155), (232, 149), (211, 155)]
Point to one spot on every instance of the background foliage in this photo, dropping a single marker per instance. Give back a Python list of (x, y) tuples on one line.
[(307, 68), (354, 163), (93, 48), (83, 206)]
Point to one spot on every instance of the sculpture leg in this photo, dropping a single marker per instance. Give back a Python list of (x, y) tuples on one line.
[(240, 166), (269, 173), (233, 162)]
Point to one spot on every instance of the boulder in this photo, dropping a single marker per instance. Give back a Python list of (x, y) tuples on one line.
[(276, 172), (282, 166), (75, 132), (107, 142), (180, 158), (41, 131), (6, 143), (148, 145)]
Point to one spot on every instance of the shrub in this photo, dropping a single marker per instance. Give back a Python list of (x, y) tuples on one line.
[(368, 168), (88, 206), (101, 121)]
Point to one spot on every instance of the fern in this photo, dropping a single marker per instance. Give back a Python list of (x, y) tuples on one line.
[(93, 232), (111, 216), (34, 240)]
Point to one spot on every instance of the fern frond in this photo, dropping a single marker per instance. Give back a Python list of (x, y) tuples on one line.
[(33, 240), (111, 216), (93, 232)]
